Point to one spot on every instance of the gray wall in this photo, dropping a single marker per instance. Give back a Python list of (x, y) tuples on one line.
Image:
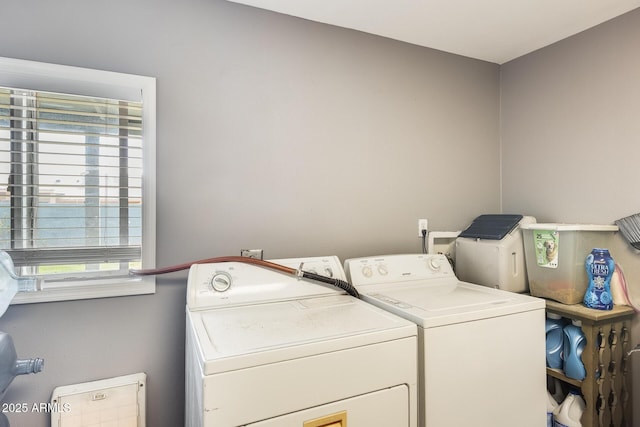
[(570, 126), (570, 132), (273, 133)]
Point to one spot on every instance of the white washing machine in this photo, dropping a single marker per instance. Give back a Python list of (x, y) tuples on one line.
[(481, 350), (268, 349)]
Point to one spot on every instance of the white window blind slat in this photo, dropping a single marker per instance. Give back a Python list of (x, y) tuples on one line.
[(70, 180)]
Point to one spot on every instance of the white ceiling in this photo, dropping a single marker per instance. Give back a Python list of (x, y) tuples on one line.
[(491, 30)]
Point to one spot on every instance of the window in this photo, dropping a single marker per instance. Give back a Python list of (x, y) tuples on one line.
[(77, 179)]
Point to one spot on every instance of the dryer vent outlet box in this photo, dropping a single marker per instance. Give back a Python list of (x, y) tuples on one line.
[(116, 401), (491, 252)]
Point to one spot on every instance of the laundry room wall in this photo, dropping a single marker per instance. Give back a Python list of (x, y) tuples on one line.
[(571, 137), (273, 132)]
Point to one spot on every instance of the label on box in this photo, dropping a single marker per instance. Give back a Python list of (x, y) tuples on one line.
[(546, 244)]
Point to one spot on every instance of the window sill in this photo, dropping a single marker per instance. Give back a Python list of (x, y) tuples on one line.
[(88, 289)]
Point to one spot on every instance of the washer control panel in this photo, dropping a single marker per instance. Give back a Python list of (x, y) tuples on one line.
[(397, 268)]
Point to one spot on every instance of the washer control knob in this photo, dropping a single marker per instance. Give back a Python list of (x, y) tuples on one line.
[(434, 264), (220, 282), (366, 271), (328, 272)]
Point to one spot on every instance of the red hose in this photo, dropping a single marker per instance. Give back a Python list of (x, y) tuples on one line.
[(185, 266), (268, 264)]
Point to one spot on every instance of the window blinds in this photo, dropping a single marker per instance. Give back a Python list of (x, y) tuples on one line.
[(70, 180)]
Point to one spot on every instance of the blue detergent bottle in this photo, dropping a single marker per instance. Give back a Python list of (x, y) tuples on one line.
[(574, 343), (600, 267), (554, 340)]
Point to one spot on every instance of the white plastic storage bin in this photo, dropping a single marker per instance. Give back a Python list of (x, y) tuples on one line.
[(494, 263), (555, 255)]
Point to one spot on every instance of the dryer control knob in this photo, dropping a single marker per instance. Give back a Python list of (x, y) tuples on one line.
[(434, 264), (220, 282), (383, 270)]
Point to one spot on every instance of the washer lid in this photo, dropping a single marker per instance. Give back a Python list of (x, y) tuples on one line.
[(245, 336), (448, 301)]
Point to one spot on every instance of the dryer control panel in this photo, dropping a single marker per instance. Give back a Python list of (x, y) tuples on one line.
[(235, 283), (397, 268)]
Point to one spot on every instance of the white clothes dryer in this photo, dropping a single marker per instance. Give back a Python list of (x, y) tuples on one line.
[(481, 350), (266, 349)]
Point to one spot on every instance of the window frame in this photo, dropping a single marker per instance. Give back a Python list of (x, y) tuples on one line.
[(107, 84)]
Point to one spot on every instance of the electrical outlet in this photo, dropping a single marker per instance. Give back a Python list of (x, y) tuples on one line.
[(251, 253), (422, 225)]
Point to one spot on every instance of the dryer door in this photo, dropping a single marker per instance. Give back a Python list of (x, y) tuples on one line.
[(383, 408)]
